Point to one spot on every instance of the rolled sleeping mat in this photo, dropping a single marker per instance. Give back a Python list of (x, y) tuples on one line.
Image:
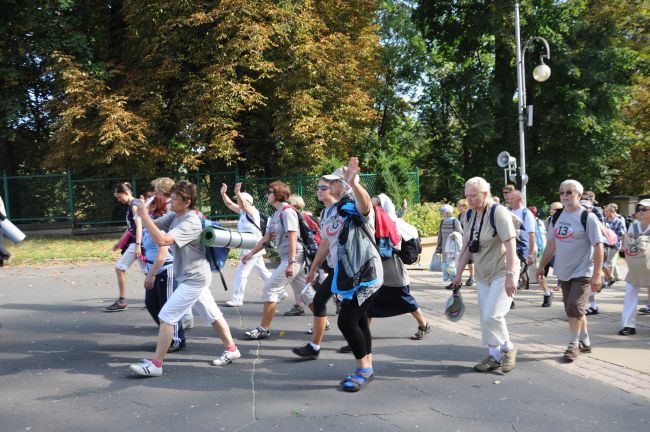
[(221, 237), (11, 231)]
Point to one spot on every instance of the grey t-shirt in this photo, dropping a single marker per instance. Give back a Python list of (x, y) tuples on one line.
[(574, 252), (283, 221), (190, 265), (395, 274)]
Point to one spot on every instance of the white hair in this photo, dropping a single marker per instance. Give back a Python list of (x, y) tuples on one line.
[(576, 185), (479, 183)]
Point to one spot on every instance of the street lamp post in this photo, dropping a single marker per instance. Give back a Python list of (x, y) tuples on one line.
[(541, 73)]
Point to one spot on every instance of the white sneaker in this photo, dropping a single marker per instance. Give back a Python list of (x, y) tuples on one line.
[(234, 304), (283, 296), (226, 358), (146, 369)]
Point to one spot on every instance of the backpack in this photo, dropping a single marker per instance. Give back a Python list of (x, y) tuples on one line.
[(306, 236), (636, 244), (314, 226), (216, 256), (264, 221), (583, 218), (409, 249), (386, 235)]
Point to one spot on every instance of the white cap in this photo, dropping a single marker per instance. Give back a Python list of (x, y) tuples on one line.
[(446, 208), (247, 197)]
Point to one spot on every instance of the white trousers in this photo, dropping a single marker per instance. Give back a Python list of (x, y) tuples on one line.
[(241, 277), (185, 296), (494, 305), (278, 281), (629, 306)]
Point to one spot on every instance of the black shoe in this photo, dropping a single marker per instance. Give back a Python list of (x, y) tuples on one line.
[(627, 331), (173, 348), (307, 352), (512, 305), (548, 300), (592, 311), (344, 350), (470, 281)]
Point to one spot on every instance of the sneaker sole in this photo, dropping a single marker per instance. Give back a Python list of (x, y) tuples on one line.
[(309, 357), (114, 310)]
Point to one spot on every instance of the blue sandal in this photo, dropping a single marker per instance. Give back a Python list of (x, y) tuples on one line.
[(354, 383)]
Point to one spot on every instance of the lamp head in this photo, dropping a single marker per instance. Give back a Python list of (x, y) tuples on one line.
[(504, 160), (541, 72)]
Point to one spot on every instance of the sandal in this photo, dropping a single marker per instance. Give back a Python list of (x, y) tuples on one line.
[(354, 383), (419, 335)]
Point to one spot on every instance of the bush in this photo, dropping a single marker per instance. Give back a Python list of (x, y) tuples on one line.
[(425, 217)]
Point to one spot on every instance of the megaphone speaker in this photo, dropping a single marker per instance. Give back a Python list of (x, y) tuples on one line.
[(504, 159)]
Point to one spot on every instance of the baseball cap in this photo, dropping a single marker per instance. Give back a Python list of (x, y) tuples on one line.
[(455, 306), (337, 175), (446, 208), (247, 197), (644, 203)]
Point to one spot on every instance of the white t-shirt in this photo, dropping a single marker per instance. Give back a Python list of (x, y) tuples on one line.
[(284, 221), (245, 225), (330, 227)]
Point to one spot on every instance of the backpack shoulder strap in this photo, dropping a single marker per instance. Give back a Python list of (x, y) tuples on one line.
[(252, 221), (636, 228), (583, 219), (556, 216), (493, 208)]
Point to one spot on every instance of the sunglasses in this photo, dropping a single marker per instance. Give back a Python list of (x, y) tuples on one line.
[(565, 192), (643, 209), (321, 187)]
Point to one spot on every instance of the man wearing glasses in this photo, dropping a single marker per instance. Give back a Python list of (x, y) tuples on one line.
[(578, 264)]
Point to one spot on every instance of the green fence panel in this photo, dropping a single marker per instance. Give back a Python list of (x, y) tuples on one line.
[(60, 197)]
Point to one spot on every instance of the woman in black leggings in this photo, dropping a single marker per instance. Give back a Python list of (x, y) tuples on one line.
[(353, 317)]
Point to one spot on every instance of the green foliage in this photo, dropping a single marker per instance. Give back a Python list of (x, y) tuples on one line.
[(393, 178), (426, 217)]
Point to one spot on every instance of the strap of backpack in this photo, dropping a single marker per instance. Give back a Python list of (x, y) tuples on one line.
[(636, 228), (583, 219), (367, 234), (556, 216), (223, 280), (253, 222), (493, 208)]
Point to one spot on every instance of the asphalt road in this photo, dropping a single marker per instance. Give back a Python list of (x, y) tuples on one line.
[(64, 367)]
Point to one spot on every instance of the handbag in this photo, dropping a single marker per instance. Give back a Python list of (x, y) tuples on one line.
[(455, 306), (436, 263)]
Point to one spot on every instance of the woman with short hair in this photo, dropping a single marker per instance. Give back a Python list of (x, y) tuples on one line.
[(283, 229), (496, 266)]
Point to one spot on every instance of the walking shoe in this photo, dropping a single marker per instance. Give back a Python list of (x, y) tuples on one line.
[(645, 309), (258, 333), (419, 335), (118, 306), (508, 360), (548, 300), (311, 330), (176, 348), (344, 349), (231, 303), (586, 349), (307, 352), (283, 296), (470, 281), (592, 311), (226, 358), (627, 331), (295, 311), (146, 369), (188, 322), (488, 364), (571, 353)]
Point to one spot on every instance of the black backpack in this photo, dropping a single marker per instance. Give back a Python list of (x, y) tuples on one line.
[(264, 220), (583, 218), (410, 250)]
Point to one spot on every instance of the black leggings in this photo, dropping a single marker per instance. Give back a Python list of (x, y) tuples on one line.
[(353, 323), (323, 295)]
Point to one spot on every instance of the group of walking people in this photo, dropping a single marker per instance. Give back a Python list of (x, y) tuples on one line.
[(166, 232)]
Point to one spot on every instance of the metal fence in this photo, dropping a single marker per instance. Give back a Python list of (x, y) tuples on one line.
[(60, 198)]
